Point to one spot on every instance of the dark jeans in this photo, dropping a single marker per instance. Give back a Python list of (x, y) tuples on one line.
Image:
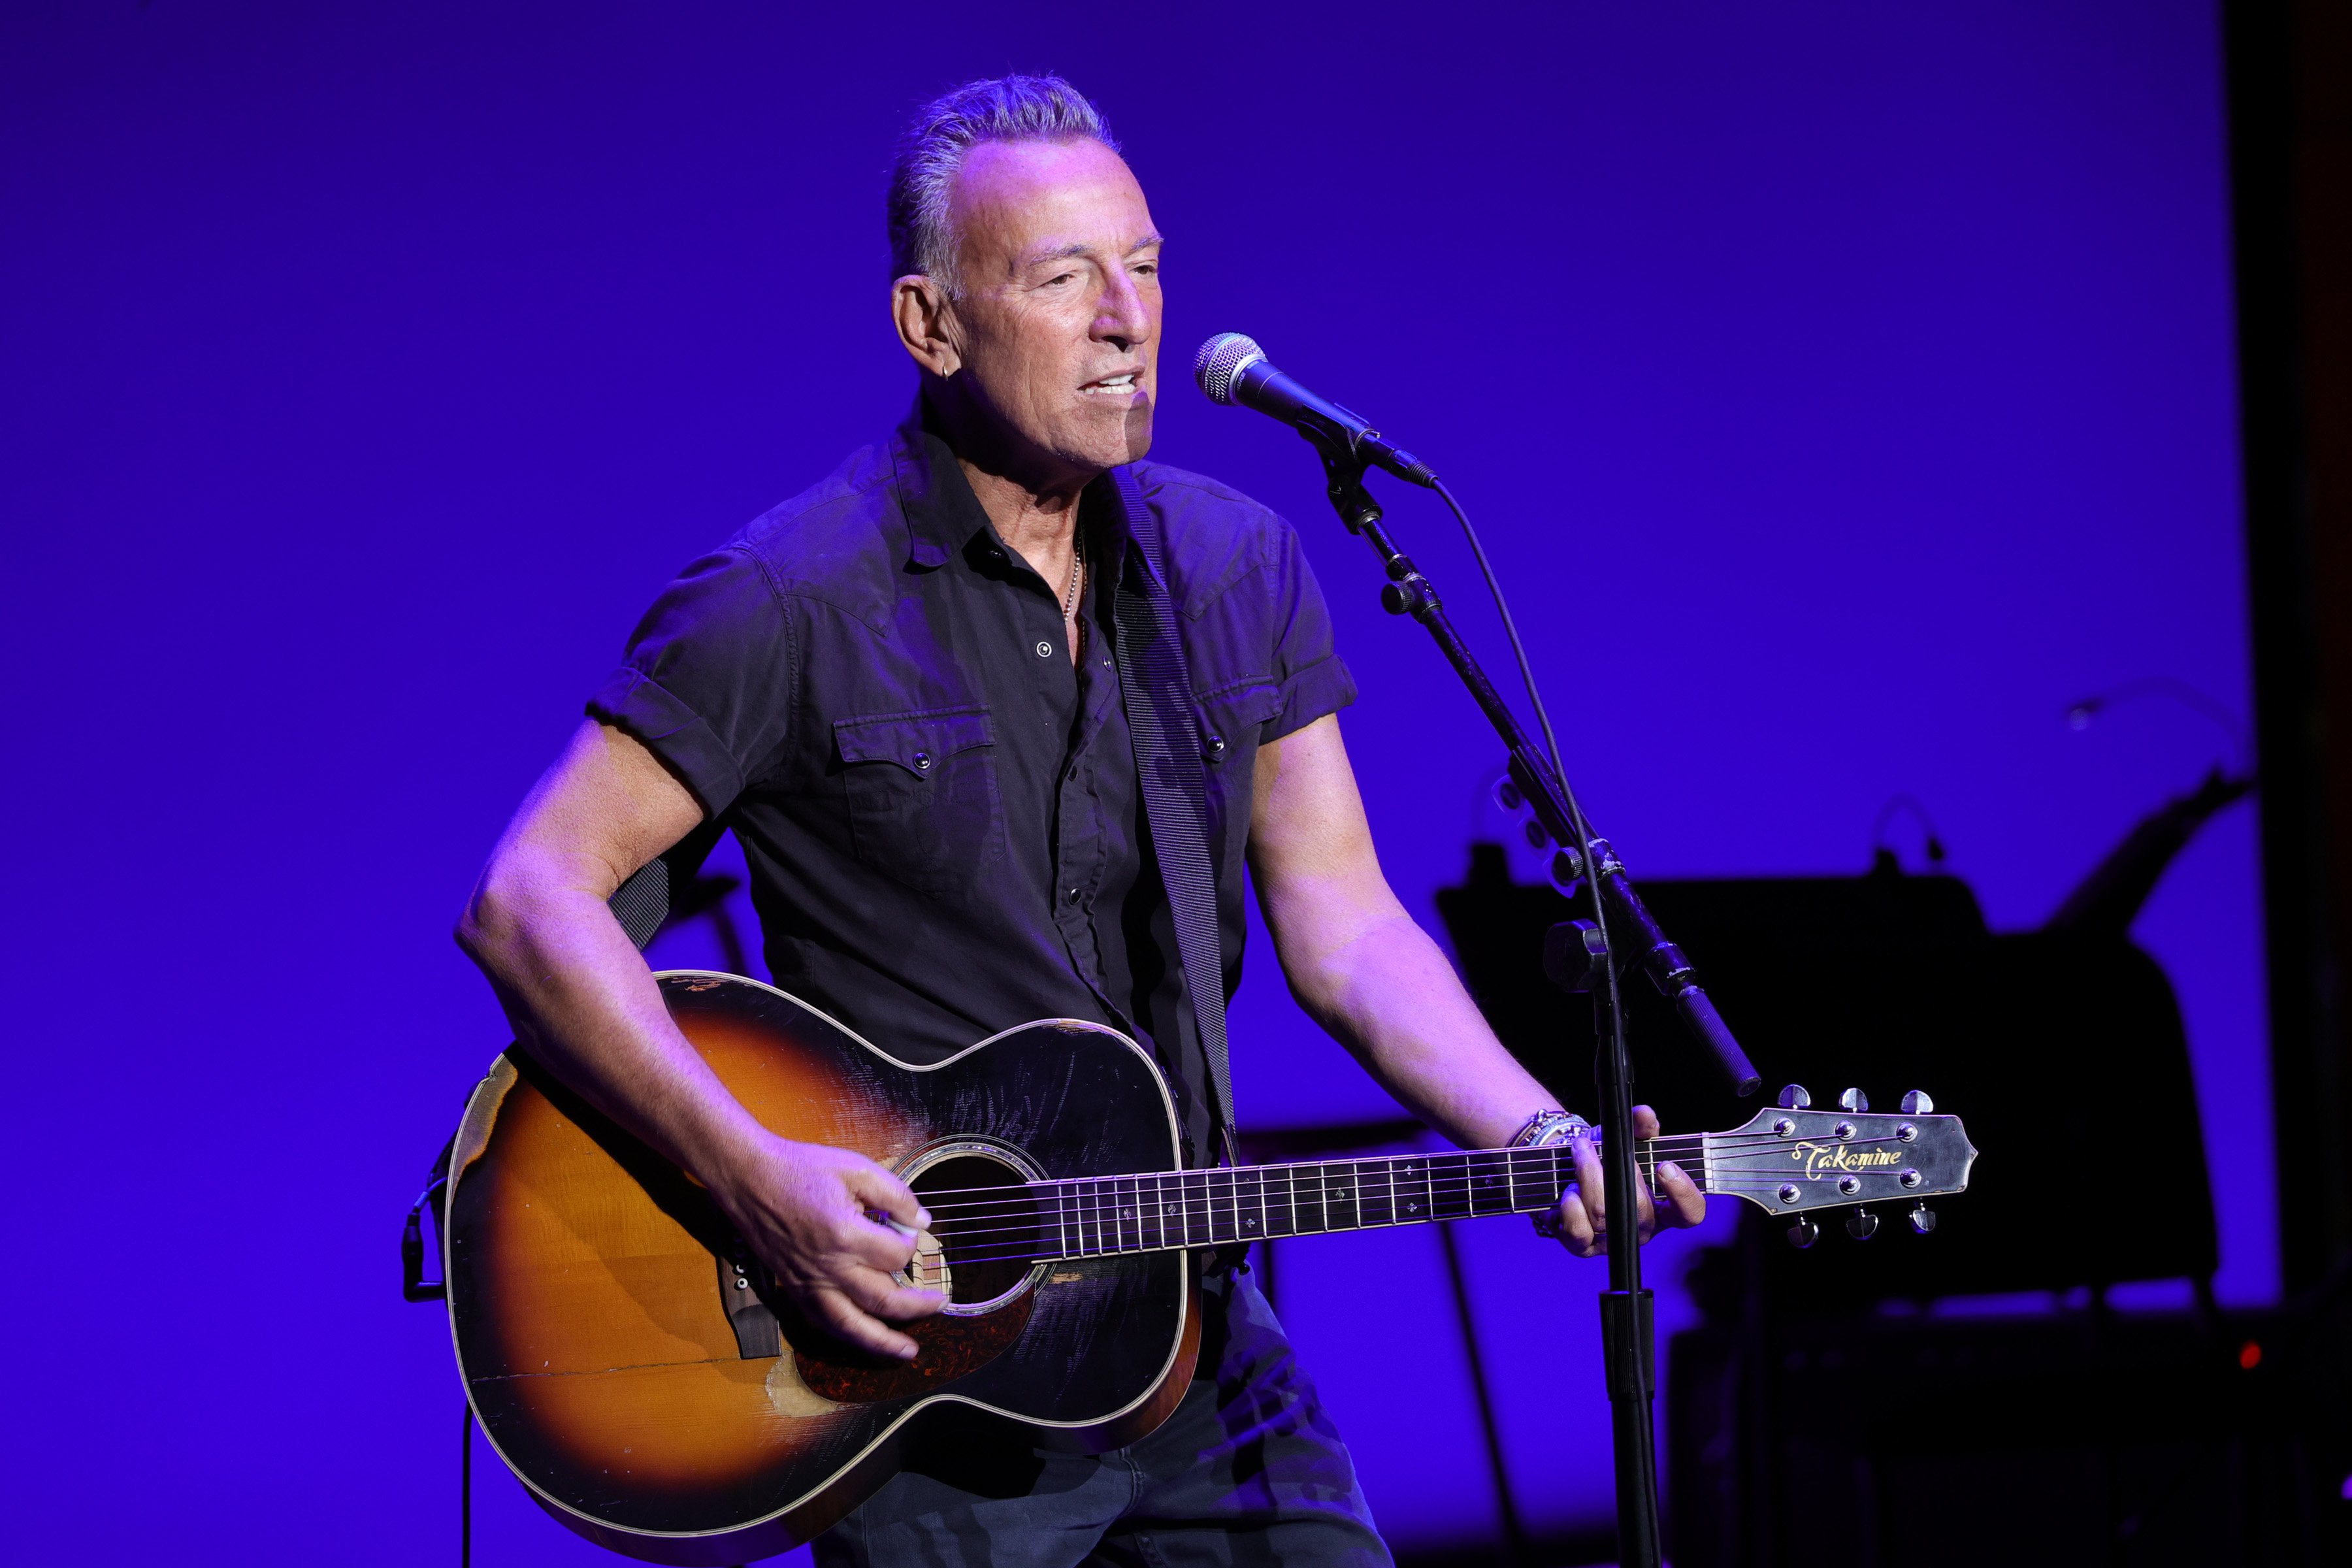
[(1248, 1471)]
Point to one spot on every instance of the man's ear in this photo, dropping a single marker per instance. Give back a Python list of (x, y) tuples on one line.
[(925, 318)]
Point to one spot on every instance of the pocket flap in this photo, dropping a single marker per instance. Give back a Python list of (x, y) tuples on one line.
[(916, 742)]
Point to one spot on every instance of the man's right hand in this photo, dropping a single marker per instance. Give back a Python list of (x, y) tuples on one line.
[(805, 1209)]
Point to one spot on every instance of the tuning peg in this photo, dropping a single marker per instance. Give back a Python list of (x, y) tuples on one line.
[(1918, 1103), (1804, 1234), (1923, 1218), (1854, 1100), (1862, 1225), (1794, 1097)]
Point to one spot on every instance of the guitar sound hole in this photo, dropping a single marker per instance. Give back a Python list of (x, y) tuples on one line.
[(984, 1241)]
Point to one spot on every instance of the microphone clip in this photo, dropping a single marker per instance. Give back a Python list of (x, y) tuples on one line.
[(1343, 476)]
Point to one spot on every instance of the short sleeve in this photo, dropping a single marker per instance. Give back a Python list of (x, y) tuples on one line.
[(1306, 667), (706, 679)]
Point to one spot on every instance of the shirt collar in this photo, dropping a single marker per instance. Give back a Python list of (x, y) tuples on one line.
[(943, 514)]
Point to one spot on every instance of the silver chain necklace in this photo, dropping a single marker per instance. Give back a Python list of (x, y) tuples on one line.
[(1070, 596)]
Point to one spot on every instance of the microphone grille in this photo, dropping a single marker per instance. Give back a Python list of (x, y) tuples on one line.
[(1221, 358)]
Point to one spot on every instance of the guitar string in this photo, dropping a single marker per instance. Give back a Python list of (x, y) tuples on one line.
[(1462, 1169), (1045, 1255), (1035, 1231), (1677, 1148), (1140, 1208), (1041, 1229), (1671, 1146), (1036, 1228), (1102, 1206)]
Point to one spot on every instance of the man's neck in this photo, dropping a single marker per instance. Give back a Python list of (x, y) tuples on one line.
[(1036, 513), (1037, 523)]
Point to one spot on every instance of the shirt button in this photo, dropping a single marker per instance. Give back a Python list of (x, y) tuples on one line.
[(1216, 746), (923, 762), (1073, 894), (1045, 651)]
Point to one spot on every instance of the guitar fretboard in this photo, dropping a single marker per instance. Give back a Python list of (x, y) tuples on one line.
[(1101, 1216)]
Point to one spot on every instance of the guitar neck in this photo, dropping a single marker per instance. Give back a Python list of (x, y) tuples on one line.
[(1103, 1216)]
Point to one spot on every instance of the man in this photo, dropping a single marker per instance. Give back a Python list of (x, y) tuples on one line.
[(902, 691)]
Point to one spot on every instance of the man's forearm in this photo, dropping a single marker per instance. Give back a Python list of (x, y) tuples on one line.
[(584, 1002), (1384, 991)]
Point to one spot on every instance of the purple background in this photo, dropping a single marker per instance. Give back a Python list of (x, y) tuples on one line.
[(369, 367)]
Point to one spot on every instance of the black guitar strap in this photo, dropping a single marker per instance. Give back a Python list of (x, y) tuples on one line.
[(1161, 723)]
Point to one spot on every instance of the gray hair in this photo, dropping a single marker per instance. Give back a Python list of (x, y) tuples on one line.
[(1006, 109)]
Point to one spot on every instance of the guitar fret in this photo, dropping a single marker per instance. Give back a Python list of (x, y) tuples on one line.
[(1343, 1212), (1452, 1195), (1447, 1196), (1531, 1187), (1196, 1234), (1247, 1184), (1374, 1193), (1408, 1206)]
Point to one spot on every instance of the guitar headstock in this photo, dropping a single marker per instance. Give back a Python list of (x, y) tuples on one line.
[(1793, 1159)]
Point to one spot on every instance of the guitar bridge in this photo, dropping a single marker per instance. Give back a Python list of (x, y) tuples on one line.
[(757, 1333)]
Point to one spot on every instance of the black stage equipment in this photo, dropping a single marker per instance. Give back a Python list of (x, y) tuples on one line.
[(1828, 1383)]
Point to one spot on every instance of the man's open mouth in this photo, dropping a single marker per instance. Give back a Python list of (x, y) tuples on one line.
[(1118, 385)]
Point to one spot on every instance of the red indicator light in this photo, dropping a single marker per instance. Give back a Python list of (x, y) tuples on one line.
[(2250, 1354)]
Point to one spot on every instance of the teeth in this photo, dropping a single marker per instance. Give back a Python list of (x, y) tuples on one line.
[(1117, 383)]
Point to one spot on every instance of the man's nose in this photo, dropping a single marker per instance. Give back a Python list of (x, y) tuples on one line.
[(1120, 316)]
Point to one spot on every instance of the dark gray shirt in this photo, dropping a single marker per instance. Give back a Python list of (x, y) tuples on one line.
[(940, 813)]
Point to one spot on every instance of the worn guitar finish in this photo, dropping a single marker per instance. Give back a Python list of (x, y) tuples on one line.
[(640, 1373)]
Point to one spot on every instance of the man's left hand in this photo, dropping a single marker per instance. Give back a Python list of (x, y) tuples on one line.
[(1582, 1221)]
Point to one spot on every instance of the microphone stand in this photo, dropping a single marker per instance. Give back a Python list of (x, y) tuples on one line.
[(1578, 958)]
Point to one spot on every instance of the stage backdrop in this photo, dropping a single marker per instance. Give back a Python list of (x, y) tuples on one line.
[(1844, 389)]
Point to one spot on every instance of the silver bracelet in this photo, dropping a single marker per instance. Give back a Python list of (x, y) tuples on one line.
[(1546, 1127), (1543, 1128)]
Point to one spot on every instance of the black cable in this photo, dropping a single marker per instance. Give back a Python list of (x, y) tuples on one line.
[(1558, 768), (465, 1491)]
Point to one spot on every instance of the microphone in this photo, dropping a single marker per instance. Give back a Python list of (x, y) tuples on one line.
[(1232, 368)]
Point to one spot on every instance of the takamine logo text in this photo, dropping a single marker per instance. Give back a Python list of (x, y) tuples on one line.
[(1823, 1158)]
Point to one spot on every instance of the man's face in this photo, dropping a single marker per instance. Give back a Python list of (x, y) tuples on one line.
[(1057, 330)]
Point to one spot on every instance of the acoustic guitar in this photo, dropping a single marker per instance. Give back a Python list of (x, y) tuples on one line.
[(635, 1367)]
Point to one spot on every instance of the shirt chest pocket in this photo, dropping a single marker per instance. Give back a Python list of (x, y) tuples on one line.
[(922, 795)]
